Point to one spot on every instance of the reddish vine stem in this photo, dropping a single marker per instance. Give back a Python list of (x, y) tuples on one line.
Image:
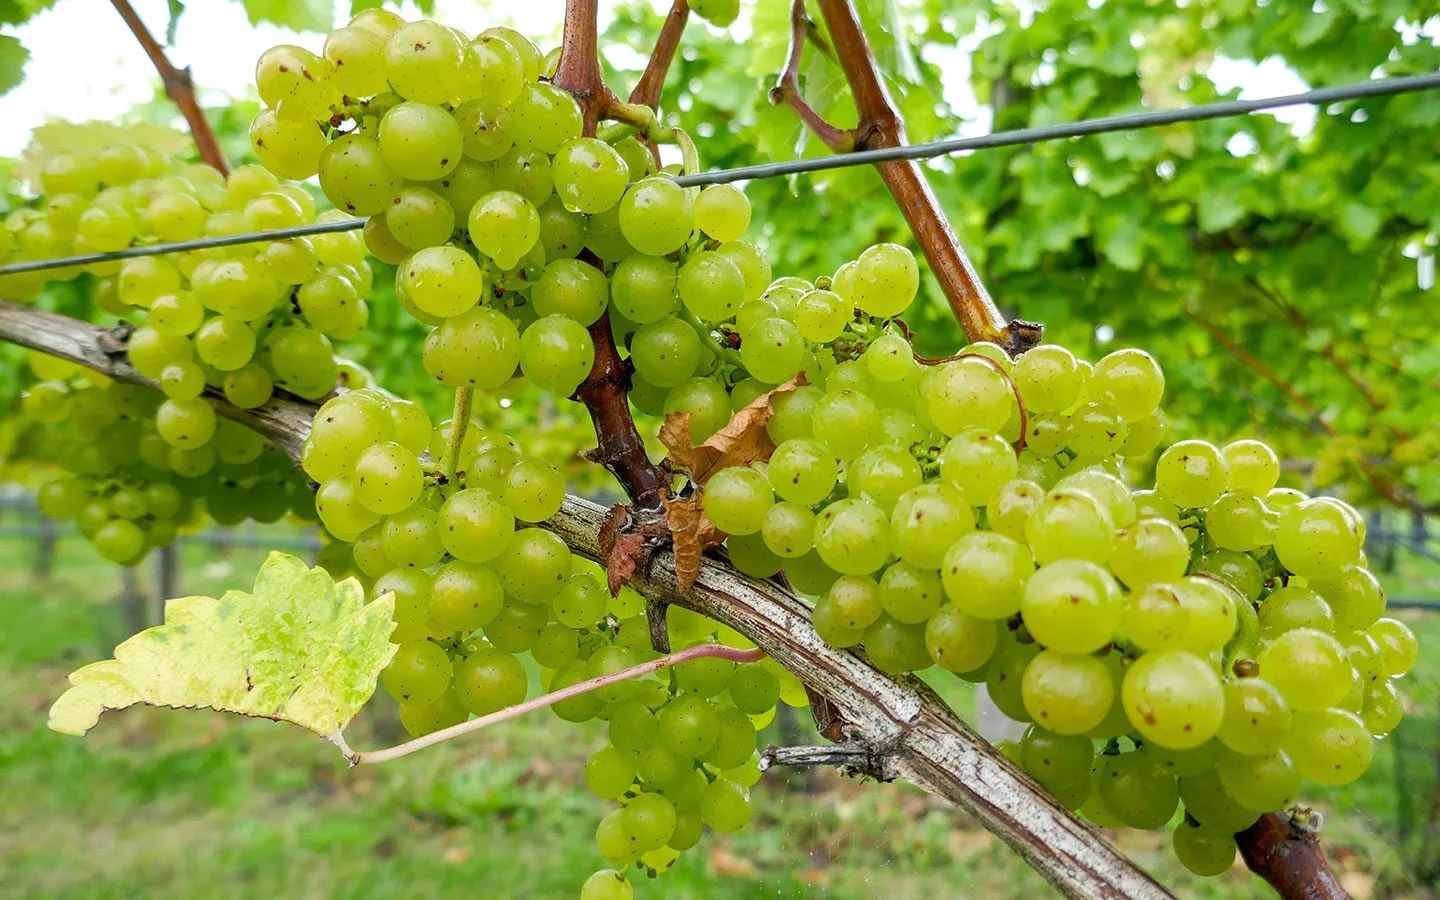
[(1382, 485), (179, 87), (652, 80), (606, 391), (1290, 858), (787, 87), (881, 126)]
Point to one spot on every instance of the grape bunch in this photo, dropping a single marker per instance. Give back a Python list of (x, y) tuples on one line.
[(127, 488)]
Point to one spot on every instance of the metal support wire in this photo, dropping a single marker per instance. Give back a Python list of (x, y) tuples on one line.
[(1125, 122)]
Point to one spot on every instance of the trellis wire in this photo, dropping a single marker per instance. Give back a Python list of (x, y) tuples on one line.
[(1124, 122)]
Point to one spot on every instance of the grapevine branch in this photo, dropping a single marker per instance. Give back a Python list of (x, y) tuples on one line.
[(787, 87), (1286, 855), (179, 87), (911, 732), (881, 126), (652, 80), (701, 651)]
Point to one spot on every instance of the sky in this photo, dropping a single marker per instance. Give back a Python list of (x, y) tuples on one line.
[(85, 64)]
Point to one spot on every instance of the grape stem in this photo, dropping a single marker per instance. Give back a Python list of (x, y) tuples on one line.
[(459, 423), (787, 86), (701, 651), (930, 746), (1290, 858), (652, 80), (179, 87), (880, 126)]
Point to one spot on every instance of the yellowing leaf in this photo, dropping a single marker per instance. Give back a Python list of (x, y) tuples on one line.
[(743, 439), (300, 648)]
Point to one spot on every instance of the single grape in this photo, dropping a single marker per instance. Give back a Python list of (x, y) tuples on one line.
[(1173, 698)]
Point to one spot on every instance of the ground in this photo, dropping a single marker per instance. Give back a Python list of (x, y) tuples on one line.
[(161, 804)]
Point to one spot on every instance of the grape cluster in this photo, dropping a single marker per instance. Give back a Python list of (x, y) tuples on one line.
[(128, 489)]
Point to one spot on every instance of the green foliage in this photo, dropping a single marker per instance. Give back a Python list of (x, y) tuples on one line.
[(301, 15), (12, 62), (300, 648)]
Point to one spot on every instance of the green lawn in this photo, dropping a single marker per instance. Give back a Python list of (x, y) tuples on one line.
[(162, 804)]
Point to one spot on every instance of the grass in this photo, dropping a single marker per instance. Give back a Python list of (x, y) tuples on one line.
[(179, 804)]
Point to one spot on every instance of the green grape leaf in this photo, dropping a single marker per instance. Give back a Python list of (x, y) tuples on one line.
[(300, 15), (12, 62), (300, 648)]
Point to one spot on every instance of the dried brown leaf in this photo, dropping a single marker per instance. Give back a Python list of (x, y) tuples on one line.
[(690, 533), (617, 518), (743, 439), (624, 559)]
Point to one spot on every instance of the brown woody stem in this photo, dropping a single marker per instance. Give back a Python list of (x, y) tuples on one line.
[(652, 80), (881, 126), (1290, 858), (179, 87)]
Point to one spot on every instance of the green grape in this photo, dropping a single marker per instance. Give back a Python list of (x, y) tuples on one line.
[(495, 70), (236, 287), (890, 359), (482, 128), (1330, 746), (1212, 608), (725, 806), (977, 463), (1239, 570), (419, 218), (1173, 698), (441, 281), (420, 719), (1056, 760), (504, 226), (1239, 522), (1191, 474), (1067, 693), (689, 727), (424, 61), (845, 422), (1096, 431), (736, 500), (722, 212), (475, 525), (851, 536), (851, 605), (754, 267), (388, 478), (1254, 467), (793, 414), (412, 537), (736, 742), (295, 82), (411, 588), (607, 884), (1108, 489), (1047, 433), (556, 353), (181, 381), (1383, 708), (419, 672), (355, 177), (788, 529), (581, 602), (710, 286), (706, 402), (534, 566), (1310, 668), (1354, 595), (185, 424), (119, 541), (966, 393), (613, 840), (773, 351), (720, 13), (885, 280), (544, 118), (821, 316), (421, 141), (1011, 506), (1070, 524), (643, 288), (534, 490), (1150, 551), (610, 772), (479, 347), (1291, 607), (665, 352), (571, 288), (1144, 435), (465, 597), (958, 641), (488, 680), (926, 521), (1204, 851), (656, 216), (1259, 783), (1156, 618), (358, 57), (986, 575), (1398, 646), (802, 471), (896, 647), (1182, 763), (1130, 381), (909, 594), (753, 690), (1138, 791), (884, 474), (1050, 379), (590, 176), (1317, 539)]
